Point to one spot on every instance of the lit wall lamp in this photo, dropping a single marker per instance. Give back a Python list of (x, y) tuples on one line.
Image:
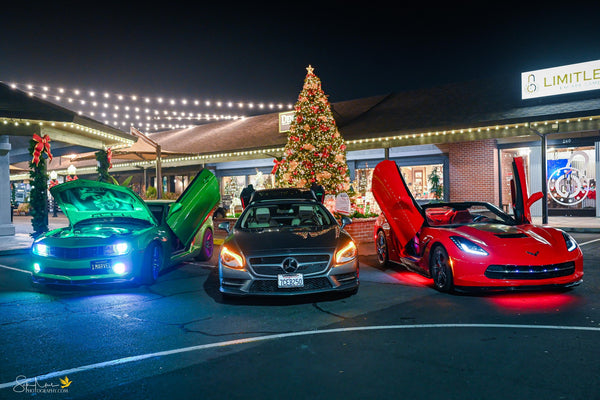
[(71, 173)]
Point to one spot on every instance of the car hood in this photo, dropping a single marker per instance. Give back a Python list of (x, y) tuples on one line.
[(513, 238), (269, 239), (95, 231), (84, 199)]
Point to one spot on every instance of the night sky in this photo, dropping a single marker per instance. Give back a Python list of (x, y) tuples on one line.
[(256, 53)]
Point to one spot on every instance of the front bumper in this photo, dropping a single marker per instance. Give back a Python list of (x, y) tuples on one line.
[(341, 278), (79, 271), (513, 276)]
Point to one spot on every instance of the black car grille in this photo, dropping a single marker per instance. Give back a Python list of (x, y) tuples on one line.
[(76, 253), (527, 272), (307, 264), (270, 286)]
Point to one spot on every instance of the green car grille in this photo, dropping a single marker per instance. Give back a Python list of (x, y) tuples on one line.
[(75, 271), (76, 253)]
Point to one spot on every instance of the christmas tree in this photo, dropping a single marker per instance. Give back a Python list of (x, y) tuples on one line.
[(315, 151)]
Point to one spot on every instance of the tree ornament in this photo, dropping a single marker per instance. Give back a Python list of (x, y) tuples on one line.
[(315, 151)]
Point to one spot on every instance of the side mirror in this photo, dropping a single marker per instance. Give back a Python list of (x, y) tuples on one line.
[(346, 221), (224, 226)]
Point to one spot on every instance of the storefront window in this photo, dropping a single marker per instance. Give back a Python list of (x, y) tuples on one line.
[(571, 178), (363, 201), (231, 187), (420, 180), (506, 159), (262, 181)]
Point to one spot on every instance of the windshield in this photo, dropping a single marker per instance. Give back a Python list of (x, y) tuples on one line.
[(453, 214), (292, 214)]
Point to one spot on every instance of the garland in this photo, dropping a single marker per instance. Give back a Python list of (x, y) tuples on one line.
[(104, 163), (38, 197)]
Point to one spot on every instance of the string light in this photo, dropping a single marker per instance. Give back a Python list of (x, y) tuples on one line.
[(153, 116)]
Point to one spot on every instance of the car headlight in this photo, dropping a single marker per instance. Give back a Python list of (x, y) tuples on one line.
[(117, 249), (231, 259), (346, 253), (571, 243), (468, 246), (41, 249)]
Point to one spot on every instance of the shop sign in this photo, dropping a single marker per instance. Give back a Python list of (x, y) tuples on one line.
[(572, 78), (285, 120)]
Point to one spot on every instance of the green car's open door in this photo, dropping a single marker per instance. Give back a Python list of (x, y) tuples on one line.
[(194, 206)]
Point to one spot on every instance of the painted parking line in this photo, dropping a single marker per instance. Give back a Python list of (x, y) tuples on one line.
[(591, 241), (15, 269), (125, 360)]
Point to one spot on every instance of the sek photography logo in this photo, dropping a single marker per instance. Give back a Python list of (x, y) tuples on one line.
[(33, 386)]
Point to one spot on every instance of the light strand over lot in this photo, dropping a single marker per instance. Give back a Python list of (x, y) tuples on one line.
[(153, 113)]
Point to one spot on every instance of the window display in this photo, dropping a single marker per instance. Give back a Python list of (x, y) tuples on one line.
[(571, 178)]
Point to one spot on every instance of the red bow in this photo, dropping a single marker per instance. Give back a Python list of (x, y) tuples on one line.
[(276, 167), (109, 157), (43, 144)]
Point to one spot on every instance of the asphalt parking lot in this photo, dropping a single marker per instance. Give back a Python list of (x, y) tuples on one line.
[(397, 337)]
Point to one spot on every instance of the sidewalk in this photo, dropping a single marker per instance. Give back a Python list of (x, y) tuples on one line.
[(21, 241)]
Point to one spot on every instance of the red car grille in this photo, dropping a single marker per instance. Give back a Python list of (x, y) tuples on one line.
[(529, 272)]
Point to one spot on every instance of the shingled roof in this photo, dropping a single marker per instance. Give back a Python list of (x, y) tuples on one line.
[(452, 106)]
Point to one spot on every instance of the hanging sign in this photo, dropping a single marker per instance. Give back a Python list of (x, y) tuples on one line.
[(285, 120), (342, 203), (561, 80)]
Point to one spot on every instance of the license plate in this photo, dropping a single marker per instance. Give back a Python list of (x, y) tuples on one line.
[(290, 280), (99, 265)]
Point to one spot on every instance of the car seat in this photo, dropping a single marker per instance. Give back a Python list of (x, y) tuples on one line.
[(262, 218), (462, 217), (304, 213)]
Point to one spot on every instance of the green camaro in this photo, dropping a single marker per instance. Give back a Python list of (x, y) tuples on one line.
[(114, 236)]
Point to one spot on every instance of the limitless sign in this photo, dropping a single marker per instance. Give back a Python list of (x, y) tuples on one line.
[(561, 80)]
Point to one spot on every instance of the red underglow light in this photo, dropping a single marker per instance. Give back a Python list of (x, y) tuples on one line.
[(542, 302), (410, 278)]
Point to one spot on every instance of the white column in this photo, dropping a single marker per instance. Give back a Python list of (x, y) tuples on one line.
[(535, 178), (6, 227), (597, 145)]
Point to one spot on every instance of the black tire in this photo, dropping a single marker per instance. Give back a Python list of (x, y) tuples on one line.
[(153, 263), (383, 254), (440, 269), (207, 249)]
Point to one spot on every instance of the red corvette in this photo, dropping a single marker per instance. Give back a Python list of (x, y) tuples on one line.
[(472, 245)]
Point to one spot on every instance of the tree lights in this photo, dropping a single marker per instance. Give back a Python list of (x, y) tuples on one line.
[(315, 151)]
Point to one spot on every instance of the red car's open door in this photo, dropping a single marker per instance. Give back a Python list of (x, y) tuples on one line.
[(520, 196), (403, 213)]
